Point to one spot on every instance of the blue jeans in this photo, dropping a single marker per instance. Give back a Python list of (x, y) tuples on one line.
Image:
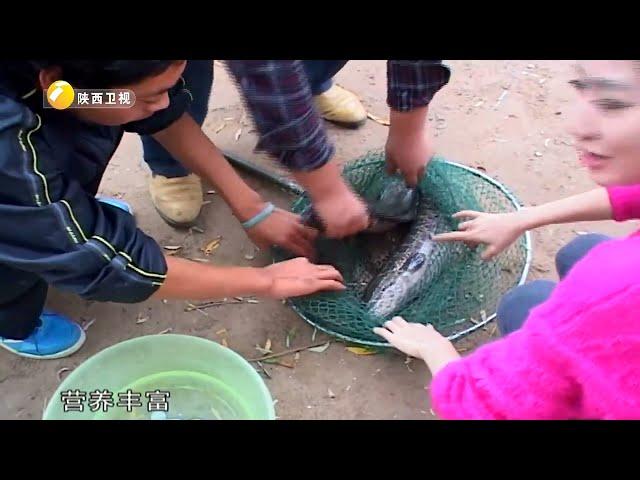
[(321, 72), (516, 304), (198, 76)]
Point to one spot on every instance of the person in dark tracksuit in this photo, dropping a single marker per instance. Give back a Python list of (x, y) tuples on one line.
[(54, 231)]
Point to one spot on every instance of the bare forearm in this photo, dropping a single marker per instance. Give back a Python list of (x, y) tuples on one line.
[(321, 182), (186, 141), (589, 206), (189, 280), (408, 124), (437, 359)]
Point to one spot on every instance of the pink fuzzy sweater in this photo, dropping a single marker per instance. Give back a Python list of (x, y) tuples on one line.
[(577, 355)]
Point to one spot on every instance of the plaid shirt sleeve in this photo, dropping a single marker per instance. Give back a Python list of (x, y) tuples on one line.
[(413, 83), (279, 98)]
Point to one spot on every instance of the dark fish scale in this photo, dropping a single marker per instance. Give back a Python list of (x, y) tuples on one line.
[(380, 247)]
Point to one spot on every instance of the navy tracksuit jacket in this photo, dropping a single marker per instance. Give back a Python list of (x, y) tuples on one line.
[(52, 229)]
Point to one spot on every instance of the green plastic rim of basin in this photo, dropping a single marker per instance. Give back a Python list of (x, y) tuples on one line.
[(218, 383)]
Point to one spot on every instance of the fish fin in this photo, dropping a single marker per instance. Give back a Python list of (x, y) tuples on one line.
[(414, 262), (371, 288)]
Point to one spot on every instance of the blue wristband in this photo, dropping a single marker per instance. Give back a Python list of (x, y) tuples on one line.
[(266, 211)]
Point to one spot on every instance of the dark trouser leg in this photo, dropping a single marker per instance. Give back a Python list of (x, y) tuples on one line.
[(22, 297), (515, 305), (577, 248), (321, 72), (198, 76)]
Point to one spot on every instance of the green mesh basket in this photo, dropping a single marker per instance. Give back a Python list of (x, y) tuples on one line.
[(460, 300)]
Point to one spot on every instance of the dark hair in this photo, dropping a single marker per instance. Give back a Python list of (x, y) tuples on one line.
[(89, 73)]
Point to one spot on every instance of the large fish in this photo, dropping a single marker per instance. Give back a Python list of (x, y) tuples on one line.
[(413, 265)]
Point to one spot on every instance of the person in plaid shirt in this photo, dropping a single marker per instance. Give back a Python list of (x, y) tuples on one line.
[(283, 98), (278, 94)]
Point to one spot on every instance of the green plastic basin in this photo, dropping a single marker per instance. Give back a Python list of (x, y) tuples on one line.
[(163, 377)]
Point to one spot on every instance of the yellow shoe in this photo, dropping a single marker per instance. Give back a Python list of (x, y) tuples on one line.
[(177, 200), (341, 107)]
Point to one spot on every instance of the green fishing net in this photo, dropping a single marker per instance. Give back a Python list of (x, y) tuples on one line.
[(461, 299)]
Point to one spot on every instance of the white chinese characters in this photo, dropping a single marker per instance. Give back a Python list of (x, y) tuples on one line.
[(83, 98), (103, 400), (111, 98), (124, 98), (100, 98)]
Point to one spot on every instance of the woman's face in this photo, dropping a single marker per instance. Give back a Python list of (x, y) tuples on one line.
[(606, 120)]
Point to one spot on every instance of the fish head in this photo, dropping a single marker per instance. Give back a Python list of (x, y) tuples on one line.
[(396, 202)]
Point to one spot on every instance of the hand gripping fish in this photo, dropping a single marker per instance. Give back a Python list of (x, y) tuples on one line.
[(395, 204)]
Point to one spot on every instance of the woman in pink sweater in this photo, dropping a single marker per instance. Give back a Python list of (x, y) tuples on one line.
[(571, 350)]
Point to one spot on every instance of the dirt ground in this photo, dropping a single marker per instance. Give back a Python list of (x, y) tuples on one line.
[(517, 136)]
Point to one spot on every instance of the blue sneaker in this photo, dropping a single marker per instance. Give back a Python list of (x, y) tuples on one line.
[(116, 203), (55, 337)]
